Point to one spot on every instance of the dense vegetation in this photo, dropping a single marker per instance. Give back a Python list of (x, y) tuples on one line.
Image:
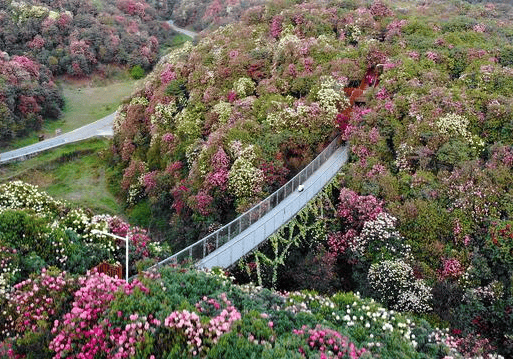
[(420, 219), (41, 39), (176, 313), (203, 14), (79, 37), (28, 95), (421, 216)]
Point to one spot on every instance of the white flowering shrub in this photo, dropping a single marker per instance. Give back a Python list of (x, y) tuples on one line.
[(393, 283), (244, 178), (330, 96), (188, 123), (402, 154), (379, 239), (489, 293), (139, 101), (20, 195), (164, 114), (244, 87), (456, 126), (8, 270), (352, 33), (223, 110)]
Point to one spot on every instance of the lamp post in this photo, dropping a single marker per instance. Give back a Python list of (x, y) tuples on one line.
[(97, 231)]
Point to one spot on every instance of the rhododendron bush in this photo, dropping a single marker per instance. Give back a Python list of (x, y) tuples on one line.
[(28, 95), (241, 112), (181, 312)]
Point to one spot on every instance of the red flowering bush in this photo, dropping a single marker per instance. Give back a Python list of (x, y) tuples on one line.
[(28, 95)]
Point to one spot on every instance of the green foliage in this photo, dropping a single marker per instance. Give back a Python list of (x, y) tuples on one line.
[(24, 231), (140, 214), (176, 88), (137, 72)]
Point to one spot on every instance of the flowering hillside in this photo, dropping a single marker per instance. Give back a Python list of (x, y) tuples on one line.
[(40, 39), (421, 218), (203, 14), (80, 37), (53, 307), (218, 126), (183, 313), (28, 95)]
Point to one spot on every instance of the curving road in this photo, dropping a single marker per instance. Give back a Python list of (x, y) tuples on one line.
[(182, 30), (98, 128)]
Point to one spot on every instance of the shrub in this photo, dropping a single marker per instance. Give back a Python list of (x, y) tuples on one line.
[(393, 283), (137, 72)]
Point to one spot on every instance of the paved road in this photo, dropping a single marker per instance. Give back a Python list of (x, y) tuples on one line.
[(98, 128), (182, 30)]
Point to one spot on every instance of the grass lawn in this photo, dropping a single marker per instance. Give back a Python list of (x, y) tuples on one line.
[(75, 173), (86, 102)]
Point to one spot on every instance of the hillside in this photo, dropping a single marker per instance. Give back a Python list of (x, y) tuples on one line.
[(28, 95), (78, 38), (43, 39), (210, 14), (53, 307), (421, 217)]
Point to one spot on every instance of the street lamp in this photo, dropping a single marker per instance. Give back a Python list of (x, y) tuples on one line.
[(97, 231)]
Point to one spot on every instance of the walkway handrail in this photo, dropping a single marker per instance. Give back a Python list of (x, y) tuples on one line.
[(199, 250)]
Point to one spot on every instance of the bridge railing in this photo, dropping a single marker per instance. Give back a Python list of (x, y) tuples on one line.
[(199, 250)]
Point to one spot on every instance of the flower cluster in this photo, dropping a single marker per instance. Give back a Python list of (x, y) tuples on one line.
[(8, 270), (244, 178), (382, 229), (163, 114), (21, 195), (39, 299), (223, 110), (454, 125), (393, 283), (328, 342), (244, 87), (80, 333), (330, 96), (451, 268), (198, 334)]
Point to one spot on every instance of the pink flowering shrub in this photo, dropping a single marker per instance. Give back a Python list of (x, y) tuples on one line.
[(202, 203), (276, 26), (32, 306), (327, 343), (199, 336), (81, 333), (354, 210), (451, 268)]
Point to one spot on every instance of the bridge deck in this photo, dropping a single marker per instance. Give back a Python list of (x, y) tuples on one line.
[(248, 240)]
